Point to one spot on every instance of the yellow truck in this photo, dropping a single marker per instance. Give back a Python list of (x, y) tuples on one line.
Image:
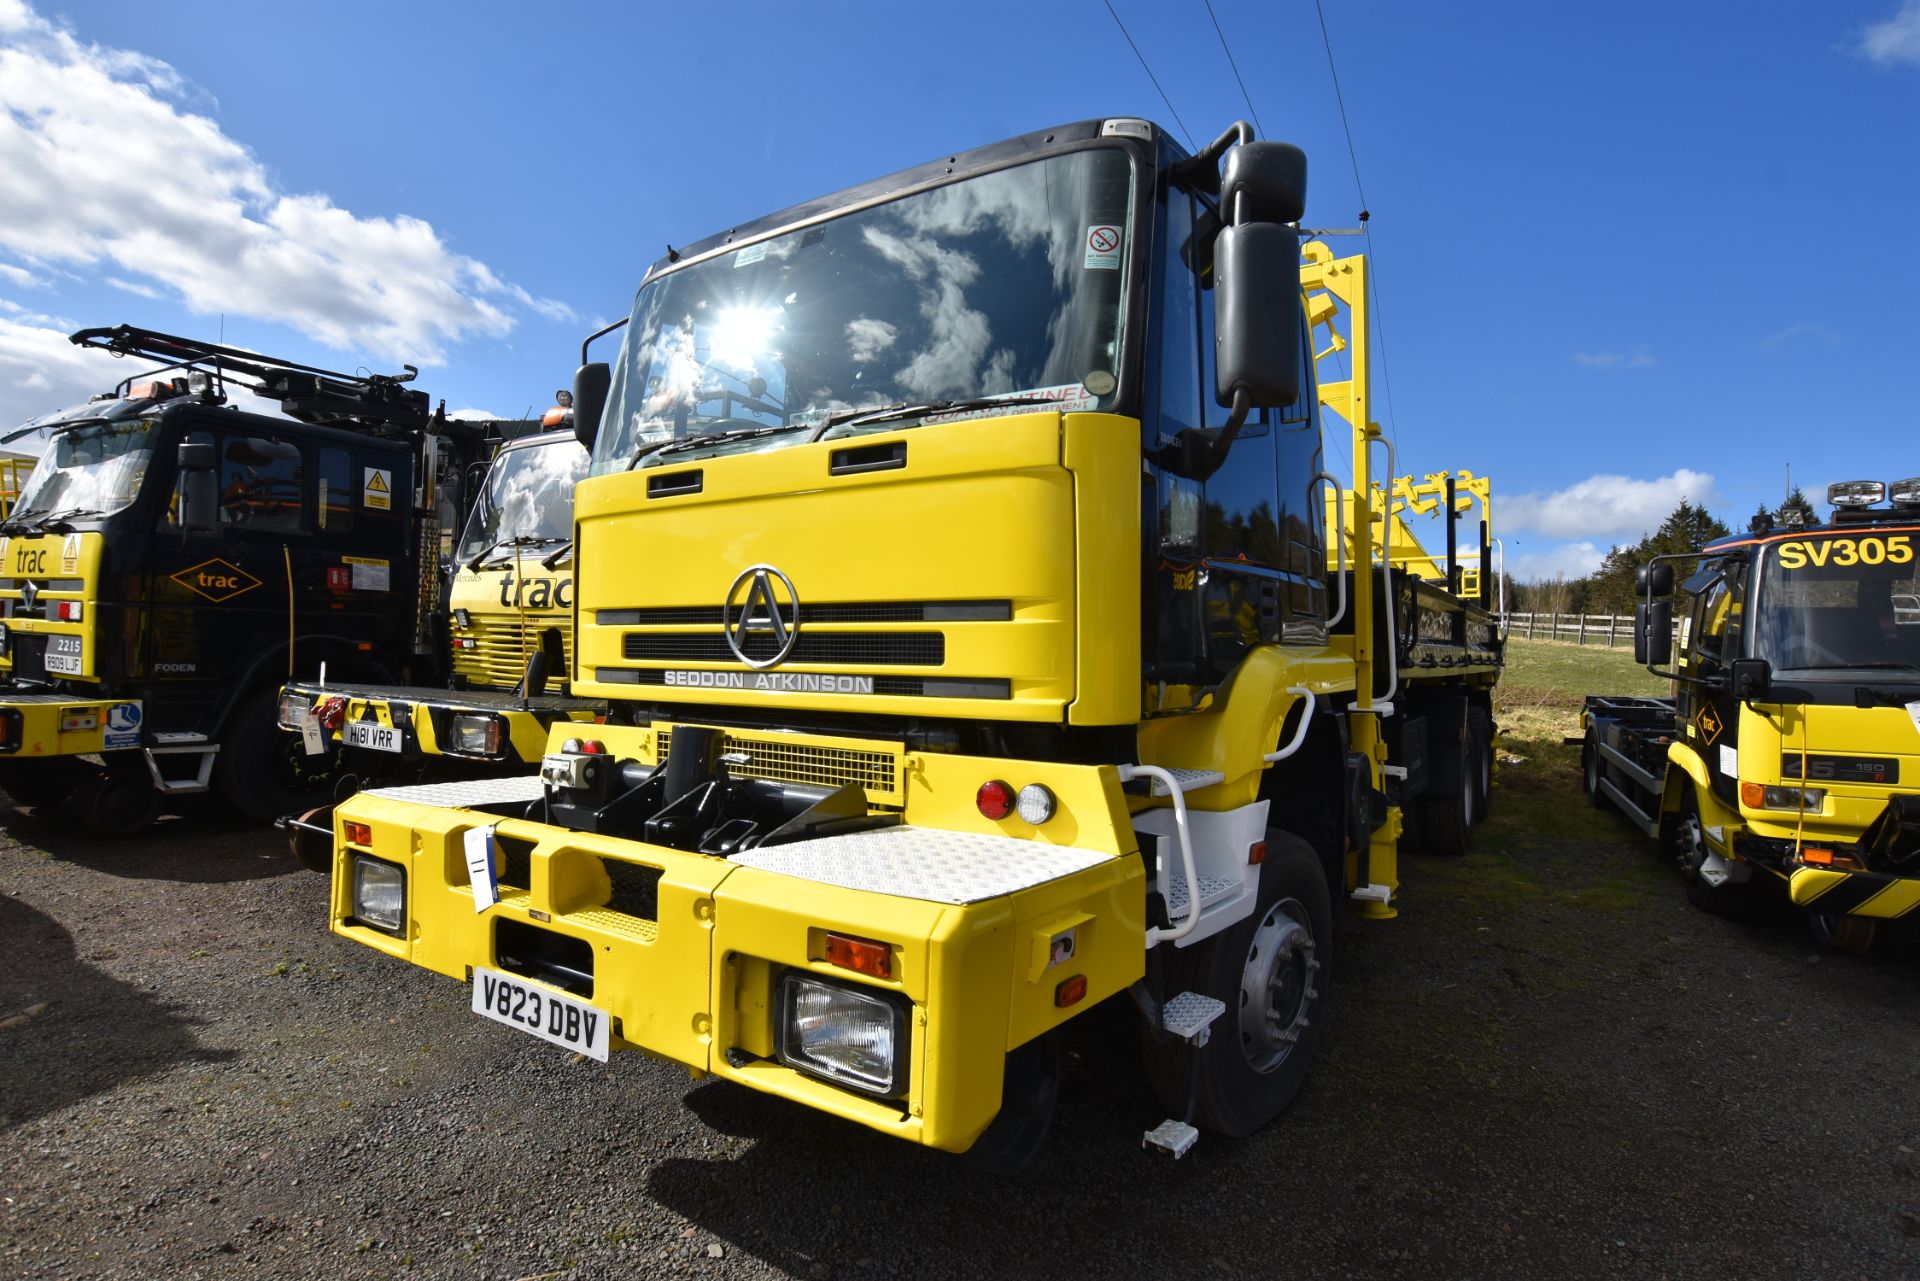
[(1790, 752), (988, 661)]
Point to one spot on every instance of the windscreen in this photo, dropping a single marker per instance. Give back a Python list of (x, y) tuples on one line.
[(90, 470), (1008, 285), (527, 500), (1843, 603)]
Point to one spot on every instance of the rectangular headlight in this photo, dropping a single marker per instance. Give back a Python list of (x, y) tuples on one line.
[(1758, 796), (476, 735), (294, 709), (852, 1036), (379, 894)]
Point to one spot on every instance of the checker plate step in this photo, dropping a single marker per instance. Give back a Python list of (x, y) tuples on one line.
[(1172, 1137), (1190, 1014), (1190, 780)]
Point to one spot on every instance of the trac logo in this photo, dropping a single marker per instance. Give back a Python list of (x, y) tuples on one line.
[(536, 593), (217, 580), (29, 560)]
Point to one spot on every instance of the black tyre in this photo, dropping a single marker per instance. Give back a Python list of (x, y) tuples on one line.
[(1480, 730), (1028, 1093), (1448, 813), (118, 801), (1272, 970), (1590, 773), (1847, 935), (44, 783), (1728, 898), (262, 770)]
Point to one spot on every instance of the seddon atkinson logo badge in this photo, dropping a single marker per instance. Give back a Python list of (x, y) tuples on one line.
[(754, 608)]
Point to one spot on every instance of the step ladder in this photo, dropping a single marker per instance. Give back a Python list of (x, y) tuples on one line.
[(1188, 1017), (181, 743)]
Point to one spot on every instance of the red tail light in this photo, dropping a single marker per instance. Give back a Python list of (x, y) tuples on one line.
[(995, 799)]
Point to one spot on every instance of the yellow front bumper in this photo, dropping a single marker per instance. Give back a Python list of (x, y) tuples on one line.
[(1875, 894), (420, 719), (688, 952), (61, 725)]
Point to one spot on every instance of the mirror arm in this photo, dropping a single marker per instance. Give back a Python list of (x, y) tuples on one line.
[(1236, 419)]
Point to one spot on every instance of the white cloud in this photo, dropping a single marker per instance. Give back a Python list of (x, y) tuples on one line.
[(1895, 41), (867, 338), (1570, 560), (40, 371), (1638, 358), (473, 415), (1604, 507), (133, 287), (18, 276), (106, 168)]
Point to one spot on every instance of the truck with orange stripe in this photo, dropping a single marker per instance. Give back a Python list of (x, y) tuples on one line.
[(1789, 753)]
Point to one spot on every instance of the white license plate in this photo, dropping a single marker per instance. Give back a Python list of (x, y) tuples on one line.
[(569, 1024), (379, 738), (63, 654)]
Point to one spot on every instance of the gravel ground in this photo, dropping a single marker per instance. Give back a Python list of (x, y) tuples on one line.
[(1549, 1065)]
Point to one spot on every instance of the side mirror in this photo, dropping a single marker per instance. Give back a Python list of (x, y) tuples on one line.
[(1653, 633), (1656, 580), (590, 386), (1752, 679), (196, 488), (1256, 275)]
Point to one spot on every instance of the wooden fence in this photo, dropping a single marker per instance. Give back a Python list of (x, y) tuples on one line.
[(1581, 629)]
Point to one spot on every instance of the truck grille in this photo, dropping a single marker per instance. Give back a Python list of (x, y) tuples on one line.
[(771, 757), (29, 654), (499, 659), (897, 649)]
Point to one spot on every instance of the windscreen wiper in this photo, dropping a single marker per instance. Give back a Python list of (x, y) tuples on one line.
[(62, 425), (919, 408), (553, 558), (517, 541), (711, 438)]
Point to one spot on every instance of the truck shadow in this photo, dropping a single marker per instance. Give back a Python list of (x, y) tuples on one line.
[(87, 1032), (199, 845)]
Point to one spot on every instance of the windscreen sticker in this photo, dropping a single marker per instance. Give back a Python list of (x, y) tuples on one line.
[(1103, 248), (750, 255), (369, 575), (123, 725), (377, 492), (1067, 398)]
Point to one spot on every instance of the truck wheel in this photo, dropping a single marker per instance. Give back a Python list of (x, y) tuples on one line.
[(262, 770), (1729, 898), (1272, 970), (1448, 815), (44, 783), (1028, 1093), (1847, 935), (117, 802), (1480, 745), (1590, 773)]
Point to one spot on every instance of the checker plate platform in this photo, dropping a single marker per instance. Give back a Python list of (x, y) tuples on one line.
[(924, 863)]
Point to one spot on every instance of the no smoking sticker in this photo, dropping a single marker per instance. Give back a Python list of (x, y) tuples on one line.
[(1103, 248)]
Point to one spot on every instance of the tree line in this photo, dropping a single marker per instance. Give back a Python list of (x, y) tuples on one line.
[(1609, 589)]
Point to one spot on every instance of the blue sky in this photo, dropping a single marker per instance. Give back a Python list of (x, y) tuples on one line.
[(1625, 252)]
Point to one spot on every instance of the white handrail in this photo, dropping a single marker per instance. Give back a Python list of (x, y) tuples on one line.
[(1340, 509), (1299, 735), (1180, 931)]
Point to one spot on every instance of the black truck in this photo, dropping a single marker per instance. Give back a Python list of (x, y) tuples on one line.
[(174, 558)]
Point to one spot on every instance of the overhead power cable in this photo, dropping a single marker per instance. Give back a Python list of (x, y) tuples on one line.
[(1149, 70), (1366, 219), (1228, 50)]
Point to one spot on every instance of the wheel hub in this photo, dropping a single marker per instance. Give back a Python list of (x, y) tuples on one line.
[(1277, 985)]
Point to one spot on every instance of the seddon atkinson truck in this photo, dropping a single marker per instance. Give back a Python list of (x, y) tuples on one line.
[(988, 660), (173, 557), (509, 617), (1790, 752)]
